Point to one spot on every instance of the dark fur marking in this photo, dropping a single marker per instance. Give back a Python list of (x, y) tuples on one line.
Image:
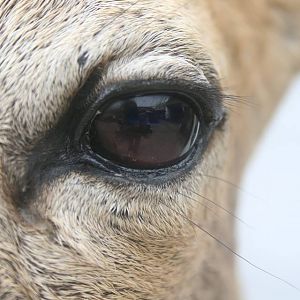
[(82, 59)]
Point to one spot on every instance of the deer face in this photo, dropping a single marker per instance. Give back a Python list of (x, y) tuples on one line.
[(112, 127)]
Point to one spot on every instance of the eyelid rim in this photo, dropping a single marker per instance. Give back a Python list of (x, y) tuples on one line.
[(209, 99)]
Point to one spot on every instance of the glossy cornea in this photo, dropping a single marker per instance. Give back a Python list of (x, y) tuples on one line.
[(145, 132)]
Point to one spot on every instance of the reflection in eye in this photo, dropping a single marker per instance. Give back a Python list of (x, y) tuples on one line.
[(145, 132)]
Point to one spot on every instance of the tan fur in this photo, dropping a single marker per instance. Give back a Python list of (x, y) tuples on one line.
[(69, 240)]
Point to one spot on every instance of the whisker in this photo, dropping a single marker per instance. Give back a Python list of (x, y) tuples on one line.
[(219, 206), (202, 204), (223, 244), (235, 103), (128, 8), (241, 189), (237, 100), (117, 16)]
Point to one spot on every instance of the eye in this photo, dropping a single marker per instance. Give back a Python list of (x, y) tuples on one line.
[(148, 131), (145, 131)]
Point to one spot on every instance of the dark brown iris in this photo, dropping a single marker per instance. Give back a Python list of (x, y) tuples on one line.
[(145, 132)]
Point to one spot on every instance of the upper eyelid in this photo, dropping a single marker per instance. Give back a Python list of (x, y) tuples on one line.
[(153, 66), (150, 66), (163, 66)]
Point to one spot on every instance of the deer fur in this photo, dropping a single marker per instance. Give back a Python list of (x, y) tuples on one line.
[(77, 236)]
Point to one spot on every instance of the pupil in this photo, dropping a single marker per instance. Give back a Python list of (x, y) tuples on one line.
[(145, 132)]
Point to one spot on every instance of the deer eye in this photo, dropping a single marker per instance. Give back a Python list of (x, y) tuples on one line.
[(145, 131), (148, 131)]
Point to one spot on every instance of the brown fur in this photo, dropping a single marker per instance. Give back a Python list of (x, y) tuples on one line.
[(71, 238)]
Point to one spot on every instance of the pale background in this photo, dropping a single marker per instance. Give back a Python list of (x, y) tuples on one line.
[(273, 207)]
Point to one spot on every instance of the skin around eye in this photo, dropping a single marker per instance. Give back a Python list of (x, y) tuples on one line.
[(145, 132)]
